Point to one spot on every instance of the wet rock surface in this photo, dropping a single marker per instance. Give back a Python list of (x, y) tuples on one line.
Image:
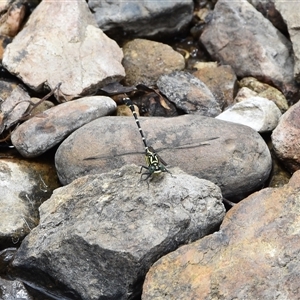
[(45, 130), (254, 255), (71, 49), (99, 235), (233, 156)]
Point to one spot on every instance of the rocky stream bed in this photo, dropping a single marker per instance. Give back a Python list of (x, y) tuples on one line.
[(216, 87)]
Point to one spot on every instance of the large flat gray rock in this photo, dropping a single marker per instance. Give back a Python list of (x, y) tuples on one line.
[(233, 156)]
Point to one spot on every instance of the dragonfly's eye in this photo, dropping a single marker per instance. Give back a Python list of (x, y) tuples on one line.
[(162, 168), (152, 169)]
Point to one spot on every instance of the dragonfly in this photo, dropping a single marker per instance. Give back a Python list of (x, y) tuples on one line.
[(155, 165)]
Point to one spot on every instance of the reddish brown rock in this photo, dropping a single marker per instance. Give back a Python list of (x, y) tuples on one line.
[(239, 36), (255, 255), (145, 61), (286, 138)]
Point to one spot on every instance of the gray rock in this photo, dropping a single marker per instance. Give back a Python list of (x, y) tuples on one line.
[(258, 113), (144, 18), (254, 255), (144, 61), (291, 18), (61, 43), (13, 290), (45, 130), (233, 156), (24, 186), (99, 235), (238, 35), (189, 94)]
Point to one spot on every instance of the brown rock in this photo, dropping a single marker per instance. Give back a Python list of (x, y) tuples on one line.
[(239, 36), (279, 175), (145, 61), (286, 136), (222, 82), (255, 255), (62, 43)]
